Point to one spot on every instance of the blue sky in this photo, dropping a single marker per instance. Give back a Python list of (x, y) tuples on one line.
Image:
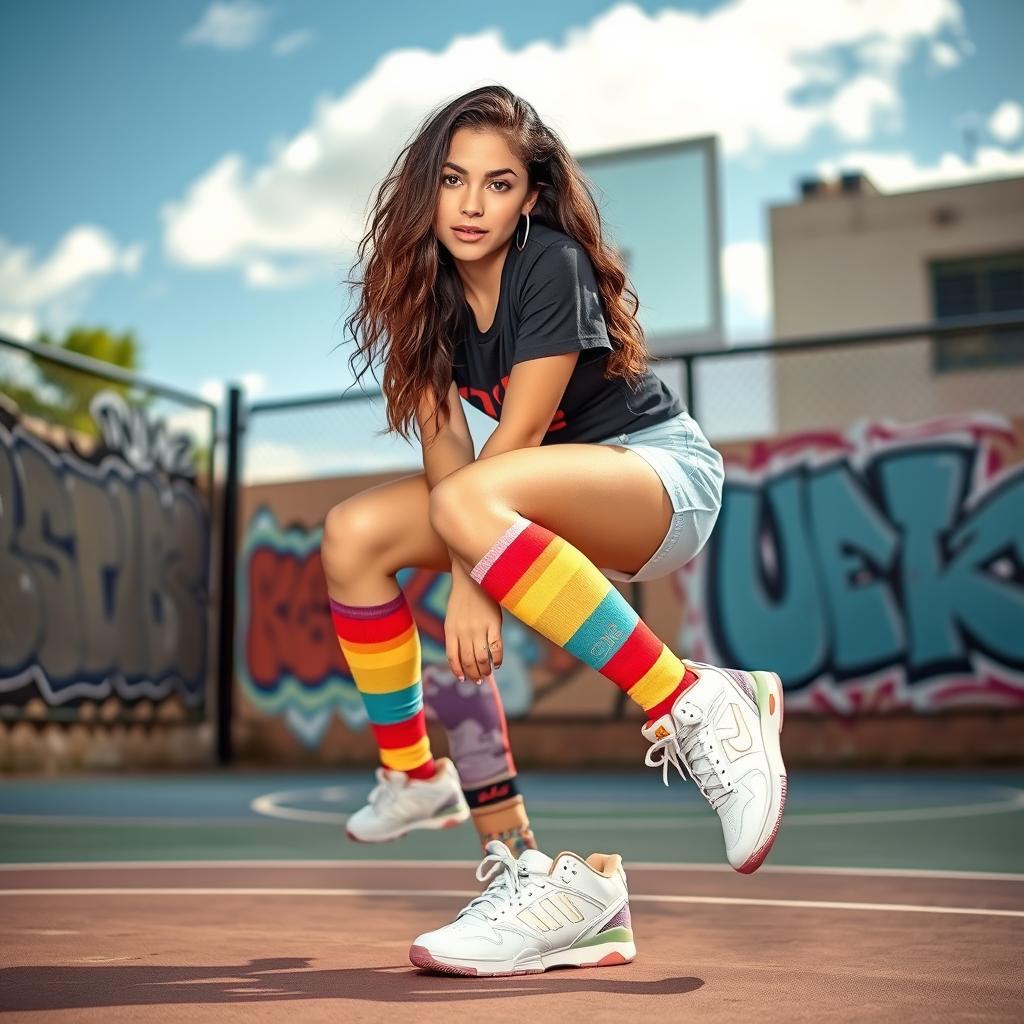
[(196, 171)]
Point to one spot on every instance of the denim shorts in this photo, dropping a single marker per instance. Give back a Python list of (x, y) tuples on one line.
[(693, 474)]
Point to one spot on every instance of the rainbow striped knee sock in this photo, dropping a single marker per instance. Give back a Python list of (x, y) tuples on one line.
[(382, 647), (556, 590)]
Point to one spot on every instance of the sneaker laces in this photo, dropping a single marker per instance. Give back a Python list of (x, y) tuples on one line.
[(509, 878), (690, 744), (387, 794)]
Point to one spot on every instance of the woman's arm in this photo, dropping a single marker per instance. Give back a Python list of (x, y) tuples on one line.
[(445, 450), (451, 448)]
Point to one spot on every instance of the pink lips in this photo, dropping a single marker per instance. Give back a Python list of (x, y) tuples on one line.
[(469, 236)]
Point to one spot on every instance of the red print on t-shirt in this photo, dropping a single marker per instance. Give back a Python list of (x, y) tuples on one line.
[(490, 403)]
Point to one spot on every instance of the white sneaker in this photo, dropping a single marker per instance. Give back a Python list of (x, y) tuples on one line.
[(725, 729), (535, 914), (399, 804)]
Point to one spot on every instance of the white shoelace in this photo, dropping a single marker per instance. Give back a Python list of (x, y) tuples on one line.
[(387, 794), (510, 878), (693, 746)]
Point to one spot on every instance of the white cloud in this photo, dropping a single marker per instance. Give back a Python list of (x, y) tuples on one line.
[(22, 326), (276, 462), (232, 25), (263, 273), (213, 389), (54, 288), (255, 384), (1006, 121), (745, 276), (859, 103), (292, 42), (944, 56), (84, 252), (901, 172), (737, 72), (194, 421)]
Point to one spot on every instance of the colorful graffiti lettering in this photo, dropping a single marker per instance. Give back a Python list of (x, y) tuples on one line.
[(104, 576), (290, 662), (143, 441), (878, 569)]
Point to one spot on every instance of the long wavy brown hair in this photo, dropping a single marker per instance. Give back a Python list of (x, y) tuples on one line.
[(411, 308)]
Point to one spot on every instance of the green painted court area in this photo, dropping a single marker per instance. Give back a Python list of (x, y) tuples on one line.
[(939, 821)]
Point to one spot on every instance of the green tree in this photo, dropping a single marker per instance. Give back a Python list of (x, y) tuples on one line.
[(62, 394)]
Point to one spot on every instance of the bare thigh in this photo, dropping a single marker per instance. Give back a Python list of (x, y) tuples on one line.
[(370, 536)]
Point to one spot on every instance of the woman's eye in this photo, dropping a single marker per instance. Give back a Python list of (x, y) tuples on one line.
[(448, 177)]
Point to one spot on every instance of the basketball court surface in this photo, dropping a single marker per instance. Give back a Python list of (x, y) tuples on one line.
[(236, 896)]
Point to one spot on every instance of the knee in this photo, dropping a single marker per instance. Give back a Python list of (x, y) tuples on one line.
[(349, 541), (446, 503)]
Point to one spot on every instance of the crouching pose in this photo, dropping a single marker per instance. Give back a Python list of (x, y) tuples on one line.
[(489, 280)]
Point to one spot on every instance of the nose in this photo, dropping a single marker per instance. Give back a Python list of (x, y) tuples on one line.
[(475, 208)]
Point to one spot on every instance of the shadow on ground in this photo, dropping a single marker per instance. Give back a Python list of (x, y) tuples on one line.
[(266, 980)]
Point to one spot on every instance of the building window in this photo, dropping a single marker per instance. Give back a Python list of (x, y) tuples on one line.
[(975, 287)]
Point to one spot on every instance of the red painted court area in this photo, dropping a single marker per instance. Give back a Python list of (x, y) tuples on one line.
[(202, 941)]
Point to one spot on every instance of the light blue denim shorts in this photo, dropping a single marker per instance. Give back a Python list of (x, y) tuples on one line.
[(693, 474)]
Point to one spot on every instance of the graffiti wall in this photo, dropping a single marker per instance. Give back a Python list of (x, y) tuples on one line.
[(877, 569), (104, 569), (291, 664)]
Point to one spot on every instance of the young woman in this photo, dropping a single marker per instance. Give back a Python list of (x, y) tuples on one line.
[(489, 280)]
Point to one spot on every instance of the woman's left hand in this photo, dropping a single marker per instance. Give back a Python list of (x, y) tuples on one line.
[(472, 632)]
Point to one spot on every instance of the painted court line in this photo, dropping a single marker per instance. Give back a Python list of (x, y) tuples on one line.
[(894, 816), (268, 809), (271, 805), (127, 821), (772, 869), (903, 908)]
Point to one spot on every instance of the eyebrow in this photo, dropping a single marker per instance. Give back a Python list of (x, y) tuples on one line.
[(489, 174)]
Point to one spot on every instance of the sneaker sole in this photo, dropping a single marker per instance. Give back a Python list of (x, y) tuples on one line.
[(452, 820), (771, 712), (609, 954)]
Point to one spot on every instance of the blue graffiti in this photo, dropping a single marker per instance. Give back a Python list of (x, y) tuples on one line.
[(833, 570), (104, 579)]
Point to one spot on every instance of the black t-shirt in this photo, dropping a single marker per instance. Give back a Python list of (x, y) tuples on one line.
[(549, 303)]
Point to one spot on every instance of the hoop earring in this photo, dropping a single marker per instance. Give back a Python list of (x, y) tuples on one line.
[(525, 237)]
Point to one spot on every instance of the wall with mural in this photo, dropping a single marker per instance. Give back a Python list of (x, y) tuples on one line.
[(876, 569), (104, 578)]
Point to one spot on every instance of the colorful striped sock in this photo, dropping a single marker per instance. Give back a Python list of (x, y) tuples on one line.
[(382, 648), (555, 589)]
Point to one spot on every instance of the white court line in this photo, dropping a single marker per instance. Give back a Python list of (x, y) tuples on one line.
[(123, 819), (419, 865), (903, 908), (270, 805), (1015, 802)]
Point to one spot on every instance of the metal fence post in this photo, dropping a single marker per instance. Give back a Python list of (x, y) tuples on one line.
[(228, 564)]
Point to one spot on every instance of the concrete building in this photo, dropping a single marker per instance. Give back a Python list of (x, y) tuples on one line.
[(846, 257)]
